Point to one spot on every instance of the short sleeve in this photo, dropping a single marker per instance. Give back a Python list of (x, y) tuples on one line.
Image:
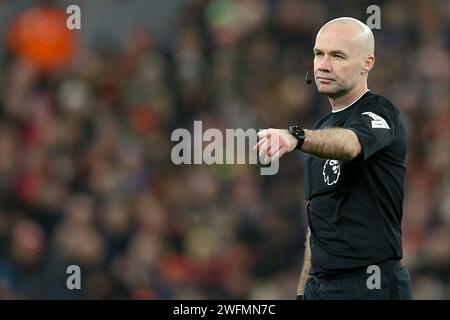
[(374, 125)]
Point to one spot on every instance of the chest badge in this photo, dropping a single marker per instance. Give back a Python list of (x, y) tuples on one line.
[(331, 172)]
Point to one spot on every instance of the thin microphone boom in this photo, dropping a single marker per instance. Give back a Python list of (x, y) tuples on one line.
[(308, 80)]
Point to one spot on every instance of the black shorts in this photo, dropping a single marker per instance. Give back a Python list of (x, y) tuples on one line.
[(394, 284)]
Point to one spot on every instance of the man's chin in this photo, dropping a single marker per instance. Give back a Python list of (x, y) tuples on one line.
[(326, 90), (330, 91)]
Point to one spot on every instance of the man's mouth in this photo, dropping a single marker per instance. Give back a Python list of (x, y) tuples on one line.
[(324, 80)]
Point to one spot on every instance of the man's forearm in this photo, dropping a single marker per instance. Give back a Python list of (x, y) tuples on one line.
[(306, 266), (332, 143)]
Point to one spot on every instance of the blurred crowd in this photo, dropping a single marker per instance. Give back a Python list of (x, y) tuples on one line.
[(87, 179)]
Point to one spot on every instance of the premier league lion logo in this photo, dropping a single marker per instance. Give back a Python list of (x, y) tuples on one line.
[(331, 172)]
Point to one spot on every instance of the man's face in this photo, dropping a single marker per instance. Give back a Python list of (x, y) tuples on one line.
[(337, 60)]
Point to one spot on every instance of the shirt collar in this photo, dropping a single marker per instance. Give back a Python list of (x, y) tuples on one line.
[(342, 109)]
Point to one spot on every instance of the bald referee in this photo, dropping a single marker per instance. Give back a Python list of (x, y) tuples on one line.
[(354, 174)]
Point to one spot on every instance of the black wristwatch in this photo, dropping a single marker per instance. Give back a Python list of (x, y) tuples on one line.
[(299, 133)]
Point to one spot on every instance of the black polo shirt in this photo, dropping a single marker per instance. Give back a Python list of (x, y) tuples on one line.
[(355, 207)]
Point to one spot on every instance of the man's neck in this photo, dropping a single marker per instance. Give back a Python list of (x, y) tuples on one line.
[(347, 99)]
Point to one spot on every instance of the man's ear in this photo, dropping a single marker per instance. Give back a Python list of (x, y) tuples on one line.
[(368, 64)]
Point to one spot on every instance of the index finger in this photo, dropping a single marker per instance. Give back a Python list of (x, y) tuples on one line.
[(263, 133)]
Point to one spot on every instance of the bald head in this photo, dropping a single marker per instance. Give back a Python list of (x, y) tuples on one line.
[(343, 57), (354, 31)]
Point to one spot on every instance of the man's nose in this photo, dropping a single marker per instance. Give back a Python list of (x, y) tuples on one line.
[(323, 65)]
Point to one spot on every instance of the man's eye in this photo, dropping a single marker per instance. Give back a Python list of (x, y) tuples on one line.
[(319, 54), (339, 56)]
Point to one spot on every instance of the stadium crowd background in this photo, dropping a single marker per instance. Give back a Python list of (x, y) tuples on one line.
[(87, 179)]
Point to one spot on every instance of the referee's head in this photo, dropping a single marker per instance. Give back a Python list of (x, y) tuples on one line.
[(343, 56)]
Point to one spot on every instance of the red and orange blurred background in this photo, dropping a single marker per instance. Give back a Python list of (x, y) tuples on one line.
[(85, 123)]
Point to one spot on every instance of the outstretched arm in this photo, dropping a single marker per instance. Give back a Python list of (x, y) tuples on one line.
[(331, 143)]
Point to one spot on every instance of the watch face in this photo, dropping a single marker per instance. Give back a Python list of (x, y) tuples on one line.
[(297, 131)]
